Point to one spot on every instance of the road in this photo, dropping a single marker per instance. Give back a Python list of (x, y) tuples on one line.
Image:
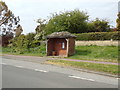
[(22, 74)]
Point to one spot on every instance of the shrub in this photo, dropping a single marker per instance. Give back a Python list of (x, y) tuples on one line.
[(98, 36), (38, 50)]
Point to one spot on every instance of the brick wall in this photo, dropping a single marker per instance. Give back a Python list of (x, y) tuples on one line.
[(71, 46)]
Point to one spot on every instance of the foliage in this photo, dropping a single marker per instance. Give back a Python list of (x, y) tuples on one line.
[(40, 29), (72, 21), (39, 50), (98, 36), (118, 22), (36, 51), (20, 44), (75, 21), (9, 24), (24, 42), (98, 26), (31, 42)]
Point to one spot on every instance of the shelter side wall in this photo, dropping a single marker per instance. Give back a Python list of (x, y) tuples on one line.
[(71, 46), (49, 47)]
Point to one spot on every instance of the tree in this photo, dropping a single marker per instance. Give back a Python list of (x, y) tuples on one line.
[(118, 22), (72, 21), (9, 24), (99, 26), (19, 44), (24, 43), (40, 29), (31, 41)]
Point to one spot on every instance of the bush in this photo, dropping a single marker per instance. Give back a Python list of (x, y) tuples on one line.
[(98, 36), (38, 50)]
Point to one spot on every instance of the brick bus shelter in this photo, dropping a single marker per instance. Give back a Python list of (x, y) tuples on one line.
[(60, 44)]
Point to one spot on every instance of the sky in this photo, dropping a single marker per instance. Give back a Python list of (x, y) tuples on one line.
[(31, 10)]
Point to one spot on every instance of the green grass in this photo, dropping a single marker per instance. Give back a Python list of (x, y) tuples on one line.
[(37, 51), (96, 53), (111, 69)]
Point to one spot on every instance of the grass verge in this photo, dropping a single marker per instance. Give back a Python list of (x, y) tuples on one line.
[(93, 53), (111, 69), (96, 53)]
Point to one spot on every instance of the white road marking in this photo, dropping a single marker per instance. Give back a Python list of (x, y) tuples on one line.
[(40, 70), (19, 66), (3, 63), (81, 78), (91, 80), (117, 78)]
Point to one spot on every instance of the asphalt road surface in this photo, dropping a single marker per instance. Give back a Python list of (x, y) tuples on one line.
[(17, 76)]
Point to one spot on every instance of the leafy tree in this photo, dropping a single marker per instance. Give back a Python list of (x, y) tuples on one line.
[(98, 26), (30, 36), (31, 41), (40, 29), (90, 27), (72, 21), (9, 24), (118, 22), (23, 43), (19, 44)]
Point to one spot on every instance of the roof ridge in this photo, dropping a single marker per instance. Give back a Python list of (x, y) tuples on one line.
[(63, 34)]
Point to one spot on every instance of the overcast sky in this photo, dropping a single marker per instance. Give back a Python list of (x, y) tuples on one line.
[(31, 10)]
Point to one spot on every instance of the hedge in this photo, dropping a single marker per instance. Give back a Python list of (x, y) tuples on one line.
[(98, 36)]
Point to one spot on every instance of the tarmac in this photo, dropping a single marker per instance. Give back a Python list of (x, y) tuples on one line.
[(37, 59)]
